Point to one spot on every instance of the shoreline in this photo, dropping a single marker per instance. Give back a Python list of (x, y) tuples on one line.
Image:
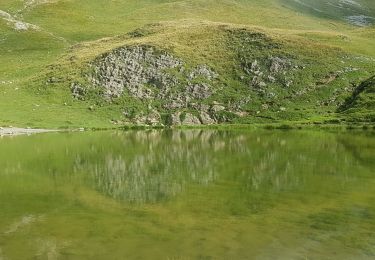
[(14, 131)]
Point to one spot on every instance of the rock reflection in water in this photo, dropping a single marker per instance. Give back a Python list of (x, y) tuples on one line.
[(160, 165), (151, 166)]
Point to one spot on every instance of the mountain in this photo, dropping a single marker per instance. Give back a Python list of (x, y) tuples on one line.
[(80, 63), (356, 12)]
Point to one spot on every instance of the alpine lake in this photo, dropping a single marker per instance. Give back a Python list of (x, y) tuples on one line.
[(188, 194)]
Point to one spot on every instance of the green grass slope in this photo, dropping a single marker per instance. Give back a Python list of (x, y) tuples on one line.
[(361, 105), (72, 33)]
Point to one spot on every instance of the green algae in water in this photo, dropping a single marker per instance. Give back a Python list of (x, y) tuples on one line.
[(188, 194)]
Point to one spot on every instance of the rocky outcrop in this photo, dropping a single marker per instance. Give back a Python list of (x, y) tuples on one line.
[(78, 91), (206, 118), (33, 3), (153, 118), (269, 71), (202, 71), (198, 91), (278, 65), (136, 70), (17, 24), (190, 119), (151, 75), (175, 119), (146, 73), (179, 93)]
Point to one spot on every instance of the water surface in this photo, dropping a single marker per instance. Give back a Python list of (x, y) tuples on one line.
[(188, 194)]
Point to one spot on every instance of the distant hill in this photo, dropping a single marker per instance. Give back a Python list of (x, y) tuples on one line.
[(356, 12)]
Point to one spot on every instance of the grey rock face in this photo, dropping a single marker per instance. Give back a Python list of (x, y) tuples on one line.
[(279, 64), (158, 78), (139, 120), (191, 120), (133, 69), (145, 73), (78, 91), (257, 82), (267, 71), (255, 66), (217, 108), (17, 24), (153, 118), (199, 91), (271, 79), (202, 71), (175, 119), (178, 101), (206, 118)]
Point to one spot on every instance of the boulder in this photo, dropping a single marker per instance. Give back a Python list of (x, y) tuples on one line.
[(199, 91), (175, 119), (153, 118), (190, 119), (278, 64), (202, 71), (78, 91), (206, 118), (217, 108)]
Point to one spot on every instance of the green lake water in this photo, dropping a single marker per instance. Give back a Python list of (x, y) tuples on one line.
[(188, 194)]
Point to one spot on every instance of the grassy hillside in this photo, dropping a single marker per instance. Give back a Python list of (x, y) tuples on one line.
[(361, 105), (69, 34)]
